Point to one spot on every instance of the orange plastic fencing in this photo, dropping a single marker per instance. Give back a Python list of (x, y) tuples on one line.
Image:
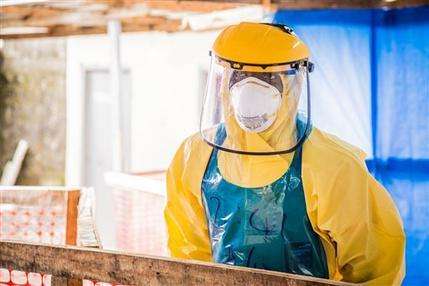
[(42, 215), (13, 277), (10, 277), (139, 203), (35, 224)]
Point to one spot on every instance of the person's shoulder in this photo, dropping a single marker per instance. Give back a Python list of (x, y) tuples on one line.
[(190, 143), (331, 150), (336, 167), (193, 139), (191, 151), (194, 142), (189, 162)]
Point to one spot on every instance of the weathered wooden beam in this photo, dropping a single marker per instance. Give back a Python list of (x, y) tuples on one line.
[(29, 10), (170, 26), (303, 4), (74, 262), (200, 6), (91, 17), (349, 4), (400, 3), (61, 281), (69, 30)]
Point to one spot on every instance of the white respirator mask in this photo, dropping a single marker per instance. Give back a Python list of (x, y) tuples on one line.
[(255, 104)]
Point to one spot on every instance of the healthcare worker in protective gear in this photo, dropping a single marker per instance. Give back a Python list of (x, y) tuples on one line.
[(261, 187)]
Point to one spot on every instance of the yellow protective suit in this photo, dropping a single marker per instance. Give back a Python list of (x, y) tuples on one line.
[(356, 219), (358, 223)]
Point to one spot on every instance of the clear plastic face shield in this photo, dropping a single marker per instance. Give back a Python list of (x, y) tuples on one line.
[(254, 109)]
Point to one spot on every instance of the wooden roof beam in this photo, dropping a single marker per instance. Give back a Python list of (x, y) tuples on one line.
[(199, 6), (349, 4), (127, 26), (25, 12)]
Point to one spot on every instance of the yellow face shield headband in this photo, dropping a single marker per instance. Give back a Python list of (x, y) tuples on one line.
[(287, 67)]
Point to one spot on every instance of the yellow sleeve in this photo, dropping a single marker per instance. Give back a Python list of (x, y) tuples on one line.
[(184, 214), (365, 227)]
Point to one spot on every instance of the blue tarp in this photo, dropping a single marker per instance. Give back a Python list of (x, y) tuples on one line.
[(375, 64)]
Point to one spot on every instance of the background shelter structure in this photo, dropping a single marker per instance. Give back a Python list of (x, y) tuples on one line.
[(74, 70), (47, 18)]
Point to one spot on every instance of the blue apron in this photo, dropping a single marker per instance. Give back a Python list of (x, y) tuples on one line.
[(264, 227)]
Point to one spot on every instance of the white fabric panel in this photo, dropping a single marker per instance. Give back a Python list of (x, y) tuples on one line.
[(341, 81)]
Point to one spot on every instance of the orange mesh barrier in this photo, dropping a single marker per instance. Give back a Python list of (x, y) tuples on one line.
[(139, 204), (13, 277), (20, 278), (54, 215), (31, 217)]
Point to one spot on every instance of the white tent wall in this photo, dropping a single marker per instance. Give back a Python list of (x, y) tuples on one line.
[(166, 72)]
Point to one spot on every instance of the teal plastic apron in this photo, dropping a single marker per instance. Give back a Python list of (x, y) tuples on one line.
[(264, 227)]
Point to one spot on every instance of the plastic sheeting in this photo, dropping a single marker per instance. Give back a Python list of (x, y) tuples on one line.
[(139, 201), (340, 49), (401, 51), (400, 123), (379, 102)]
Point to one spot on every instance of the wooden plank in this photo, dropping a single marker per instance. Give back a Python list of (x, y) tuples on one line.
[(169, 26), (58, 281), (200, 6), (75, 262), (91, 16), (62, 281), (341, 4), (72, 212)]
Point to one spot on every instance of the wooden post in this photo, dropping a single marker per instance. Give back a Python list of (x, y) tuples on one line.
[(58, 281), (62, 281), (74, 282), (72, 212)]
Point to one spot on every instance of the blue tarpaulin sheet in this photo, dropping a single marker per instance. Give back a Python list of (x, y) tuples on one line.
[(372, 89)]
